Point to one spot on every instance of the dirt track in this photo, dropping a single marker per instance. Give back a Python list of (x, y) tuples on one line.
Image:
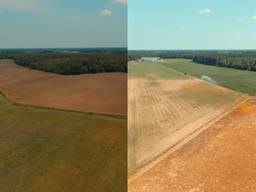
[(97, 93), (220, 159)]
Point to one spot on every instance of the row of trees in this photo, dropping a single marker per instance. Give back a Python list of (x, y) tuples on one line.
[(242, 63), (243, 60), (96, 61), (70, 63)]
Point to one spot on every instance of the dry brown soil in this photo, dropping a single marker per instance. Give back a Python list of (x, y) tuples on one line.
[(221, 159), (104, 93)]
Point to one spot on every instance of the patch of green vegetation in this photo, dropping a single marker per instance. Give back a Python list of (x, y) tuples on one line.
[(242, 81), (49, 150), (147, 69), (6, 61), (211, 97)]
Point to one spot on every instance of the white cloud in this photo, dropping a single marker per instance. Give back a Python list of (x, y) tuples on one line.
[(106, 13), (121, 2), (253, 17), (23, 5), (206, 11)]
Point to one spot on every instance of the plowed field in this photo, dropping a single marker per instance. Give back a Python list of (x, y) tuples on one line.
[(96, 93)]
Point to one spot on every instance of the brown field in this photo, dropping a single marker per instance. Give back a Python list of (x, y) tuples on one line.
[(165, 107), (96, 93), (49, 150), (219, 159)]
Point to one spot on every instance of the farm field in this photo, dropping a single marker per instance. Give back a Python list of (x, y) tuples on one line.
[(242, 81), (166, 106), (6, 61), (104, 93), (220, 159), (48, 150)]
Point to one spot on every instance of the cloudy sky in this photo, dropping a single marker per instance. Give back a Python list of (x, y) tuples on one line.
[(63, 23), (189, 24)]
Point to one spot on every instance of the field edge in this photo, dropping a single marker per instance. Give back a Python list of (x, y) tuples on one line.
[(2, 93)]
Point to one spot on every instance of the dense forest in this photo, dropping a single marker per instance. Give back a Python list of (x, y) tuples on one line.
[(70, 62), (243, 60), (236, 62)]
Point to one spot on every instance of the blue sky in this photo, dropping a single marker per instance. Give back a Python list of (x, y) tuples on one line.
[(63, 23), (187, 24)]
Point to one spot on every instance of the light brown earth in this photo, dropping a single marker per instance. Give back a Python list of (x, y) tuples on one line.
[(104, 93), (221, 159), (165, 107)]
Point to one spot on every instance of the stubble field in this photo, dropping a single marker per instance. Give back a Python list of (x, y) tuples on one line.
[(220, 159), (165, 107)]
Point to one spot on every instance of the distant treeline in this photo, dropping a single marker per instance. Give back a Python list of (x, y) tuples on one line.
[(242, 63), (243, 60), (70, 62), (135, 55)]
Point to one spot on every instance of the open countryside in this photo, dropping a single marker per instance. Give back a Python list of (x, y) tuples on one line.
[(195, 134), (220, 159), (49, 150), (63, 96), (102, 93), (166, 107), (192, 96), (62, 133), (239, 80)]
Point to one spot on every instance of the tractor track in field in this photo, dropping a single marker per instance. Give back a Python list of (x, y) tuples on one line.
[(182, 142), (219, 158)]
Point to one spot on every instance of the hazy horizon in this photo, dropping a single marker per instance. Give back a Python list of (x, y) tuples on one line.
[(192, 49), (66, 48)]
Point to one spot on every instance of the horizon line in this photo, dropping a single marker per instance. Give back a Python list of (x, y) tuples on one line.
[(12, 48), (234, 49)]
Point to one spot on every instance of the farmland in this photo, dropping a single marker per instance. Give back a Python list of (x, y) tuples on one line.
[(166, 106), (62, 133), (242, 81), (6, 61), (48, 150), (103, 93), (220, 159)]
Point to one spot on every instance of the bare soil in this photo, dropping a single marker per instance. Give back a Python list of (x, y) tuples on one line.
[(222, 158), (104, 93)]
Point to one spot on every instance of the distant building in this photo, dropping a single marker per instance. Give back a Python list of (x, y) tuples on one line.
[(151, 59)]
